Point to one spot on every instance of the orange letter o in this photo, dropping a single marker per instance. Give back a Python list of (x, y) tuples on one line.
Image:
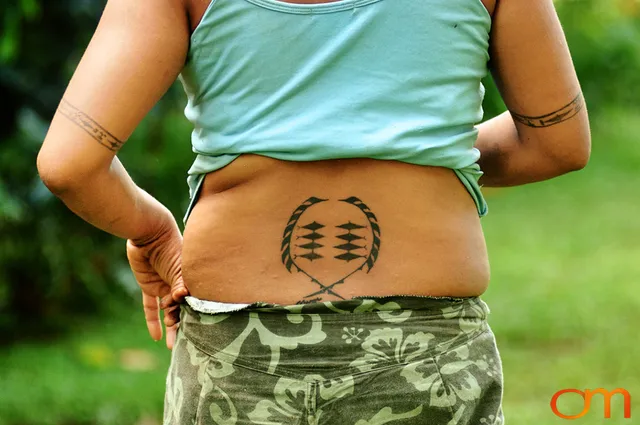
[(554, 404)]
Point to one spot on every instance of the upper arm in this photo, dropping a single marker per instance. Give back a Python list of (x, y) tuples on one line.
[(136, 53), (532, 67)]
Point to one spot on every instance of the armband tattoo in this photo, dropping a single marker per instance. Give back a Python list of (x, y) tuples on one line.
[(561, 115), (90, 126)]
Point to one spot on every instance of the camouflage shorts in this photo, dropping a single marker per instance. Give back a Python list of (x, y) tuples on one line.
[(364, 361)]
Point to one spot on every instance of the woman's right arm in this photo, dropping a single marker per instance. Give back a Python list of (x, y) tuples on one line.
[(545, 132)]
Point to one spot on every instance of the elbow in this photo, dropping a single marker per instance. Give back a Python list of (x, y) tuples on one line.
[(579, 156), (51, 179), (567, 156), (55, 175), (579, 163), (577, 146), (64, 173)]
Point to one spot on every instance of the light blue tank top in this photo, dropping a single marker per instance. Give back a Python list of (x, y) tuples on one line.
[(384, 79)]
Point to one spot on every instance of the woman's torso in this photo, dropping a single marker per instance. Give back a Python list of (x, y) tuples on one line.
[(285, 232)]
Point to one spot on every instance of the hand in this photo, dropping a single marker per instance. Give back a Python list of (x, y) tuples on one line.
[(157, 266)]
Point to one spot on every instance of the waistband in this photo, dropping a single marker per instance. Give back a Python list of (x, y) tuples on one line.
[(359, 304), (333, 338)]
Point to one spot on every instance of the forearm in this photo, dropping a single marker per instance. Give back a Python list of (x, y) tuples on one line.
[(111, 201), (512, 154)]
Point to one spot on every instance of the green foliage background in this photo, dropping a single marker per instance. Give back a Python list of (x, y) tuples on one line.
[(52, 263), (55, 269)]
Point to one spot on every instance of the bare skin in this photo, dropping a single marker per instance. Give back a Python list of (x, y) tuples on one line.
[(384, 227), (431, 242), (427, 206)]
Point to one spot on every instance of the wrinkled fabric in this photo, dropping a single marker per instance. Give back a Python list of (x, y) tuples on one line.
[(400, 360)]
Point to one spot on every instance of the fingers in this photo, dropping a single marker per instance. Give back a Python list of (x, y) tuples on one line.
[(160, 273), (152, 316), (172, 322), (166, 301), (157, 269), (179, 290), (171, 336), (172, 315)]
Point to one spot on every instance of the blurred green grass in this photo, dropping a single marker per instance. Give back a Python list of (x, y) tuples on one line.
[(107, 372), (564, 296), (565, 260)]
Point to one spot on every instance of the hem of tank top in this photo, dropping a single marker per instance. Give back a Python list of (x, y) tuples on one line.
[(194, 197), (476, 195), (217, 307), (478, 199)]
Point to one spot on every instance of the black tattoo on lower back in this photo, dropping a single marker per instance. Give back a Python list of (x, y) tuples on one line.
[(357, 240), (312, 245), (561, 115), (90, 126)]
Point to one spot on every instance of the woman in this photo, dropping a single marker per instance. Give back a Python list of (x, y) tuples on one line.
[(333, 252)]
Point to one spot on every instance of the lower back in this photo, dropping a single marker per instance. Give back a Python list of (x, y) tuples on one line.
[(287, 232)]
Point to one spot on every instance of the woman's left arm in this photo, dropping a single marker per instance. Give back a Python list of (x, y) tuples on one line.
[(136, 53)]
